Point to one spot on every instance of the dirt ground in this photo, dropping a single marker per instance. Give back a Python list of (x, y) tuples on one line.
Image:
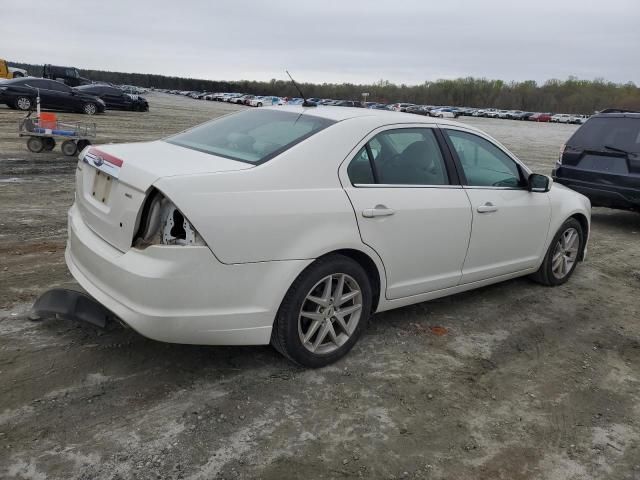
[(528, 382)]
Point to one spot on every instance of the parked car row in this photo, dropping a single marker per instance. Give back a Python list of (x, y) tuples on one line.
[(22, 93)]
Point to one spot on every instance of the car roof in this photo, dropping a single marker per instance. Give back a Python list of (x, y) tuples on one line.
[(346, 113), (617, 114)]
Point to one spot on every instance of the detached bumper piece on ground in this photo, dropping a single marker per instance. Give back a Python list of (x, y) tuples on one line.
[(72, 305)]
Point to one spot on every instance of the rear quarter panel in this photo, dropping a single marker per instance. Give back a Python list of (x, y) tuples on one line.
[(291, 207)]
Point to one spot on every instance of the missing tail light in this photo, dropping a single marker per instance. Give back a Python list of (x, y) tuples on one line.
[(162, 223)]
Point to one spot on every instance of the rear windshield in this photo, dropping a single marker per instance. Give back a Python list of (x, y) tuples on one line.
[(252, 136), (621, 132)]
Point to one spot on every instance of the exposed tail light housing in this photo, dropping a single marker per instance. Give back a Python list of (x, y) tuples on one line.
[(162, 223)]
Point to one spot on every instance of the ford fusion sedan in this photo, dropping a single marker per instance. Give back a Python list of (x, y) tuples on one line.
[(293, 225), (21, 94)]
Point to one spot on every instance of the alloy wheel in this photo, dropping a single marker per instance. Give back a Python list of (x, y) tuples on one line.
[(89, 108), (565, 253), (330, 313), (23, 103)]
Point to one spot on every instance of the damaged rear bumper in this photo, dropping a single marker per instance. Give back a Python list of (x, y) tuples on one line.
[(180, 294)]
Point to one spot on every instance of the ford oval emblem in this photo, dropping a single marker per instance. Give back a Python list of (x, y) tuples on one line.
[(97, 161)]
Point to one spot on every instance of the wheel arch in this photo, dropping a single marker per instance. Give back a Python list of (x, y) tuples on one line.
[(584, 223), (370, 267)]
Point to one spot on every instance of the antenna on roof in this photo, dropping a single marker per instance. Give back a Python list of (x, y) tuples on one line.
[(306, 102)]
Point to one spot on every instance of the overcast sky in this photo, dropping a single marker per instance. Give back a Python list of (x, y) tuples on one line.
[(362, 41)]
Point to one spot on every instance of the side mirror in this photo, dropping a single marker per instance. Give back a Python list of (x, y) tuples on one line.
[(539, 183)]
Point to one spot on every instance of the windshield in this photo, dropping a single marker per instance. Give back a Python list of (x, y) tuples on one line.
[(622, 133), (252, 136)]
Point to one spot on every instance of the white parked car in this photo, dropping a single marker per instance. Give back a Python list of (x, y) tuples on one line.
[(266, 101), (561, 118), (443, 113), (293, 225)]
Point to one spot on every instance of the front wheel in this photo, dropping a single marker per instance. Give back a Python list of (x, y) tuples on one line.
[(89, 108), (562, 257), (324, 312), (35, 144)]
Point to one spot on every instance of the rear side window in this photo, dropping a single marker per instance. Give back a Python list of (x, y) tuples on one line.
[(252, 136), (598, 132), (408, 156)]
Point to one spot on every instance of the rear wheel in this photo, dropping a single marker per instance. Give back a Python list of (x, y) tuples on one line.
[(35, 144), (82, 144), (23, 103), (49, 143), (324, 312), (69, 148), (562, 257)]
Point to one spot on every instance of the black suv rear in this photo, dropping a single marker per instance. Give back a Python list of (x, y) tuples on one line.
[(602, 160)]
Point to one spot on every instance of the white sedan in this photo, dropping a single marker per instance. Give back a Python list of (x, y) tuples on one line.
[(265, 101), (293, 225)]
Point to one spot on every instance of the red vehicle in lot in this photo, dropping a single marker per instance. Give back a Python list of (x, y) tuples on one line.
[(540, 117)]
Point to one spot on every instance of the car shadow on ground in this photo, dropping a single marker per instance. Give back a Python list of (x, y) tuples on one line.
[(625, 221), (126, 352)]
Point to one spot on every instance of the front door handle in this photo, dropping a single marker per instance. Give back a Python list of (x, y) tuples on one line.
[(487, 208), (378, 211)]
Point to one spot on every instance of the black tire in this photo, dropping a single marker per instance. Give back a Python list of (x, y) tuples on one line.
[(69, 148), (89, 108), (23, 103), (17, 75), (49, 143), (259, 104), (285, 336), (35, 144), (82, 144), (545, 274)]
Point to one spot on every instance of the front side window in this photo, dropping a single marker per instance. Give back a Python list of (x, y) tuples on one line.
[(483, 163), (407, 156), (252, 136)]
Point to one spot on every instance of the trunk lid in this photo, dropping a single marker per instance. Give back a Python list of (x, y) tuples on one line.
[(112, 182)]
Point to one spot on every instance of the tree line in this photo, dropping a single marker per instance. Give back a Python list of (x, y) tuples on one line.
[(567, 96)]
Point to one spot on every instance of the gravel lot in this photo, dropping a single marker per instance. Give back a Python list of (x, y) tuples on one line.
[(528, 383)]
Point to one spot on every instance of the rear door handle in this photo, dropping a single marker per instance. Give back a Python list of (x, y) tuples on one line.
[(378, 211), (487, 208)]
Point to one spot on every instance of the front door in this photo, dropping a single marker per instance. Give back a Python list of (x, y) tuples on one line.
[(510, 223), (410, 209)]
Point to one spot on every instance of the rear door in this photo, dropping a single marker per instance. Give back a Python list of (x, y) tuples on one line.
[(410, 208), (114, 97), (510, 223), (58, 95)]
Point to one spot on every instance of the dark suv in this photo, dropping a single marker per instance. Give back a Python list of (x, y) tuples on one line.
[(602, 160), (67, 75)]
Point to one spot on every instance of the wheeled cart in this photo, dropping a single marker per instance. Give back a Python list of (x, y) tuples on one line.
[(42, 133)]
